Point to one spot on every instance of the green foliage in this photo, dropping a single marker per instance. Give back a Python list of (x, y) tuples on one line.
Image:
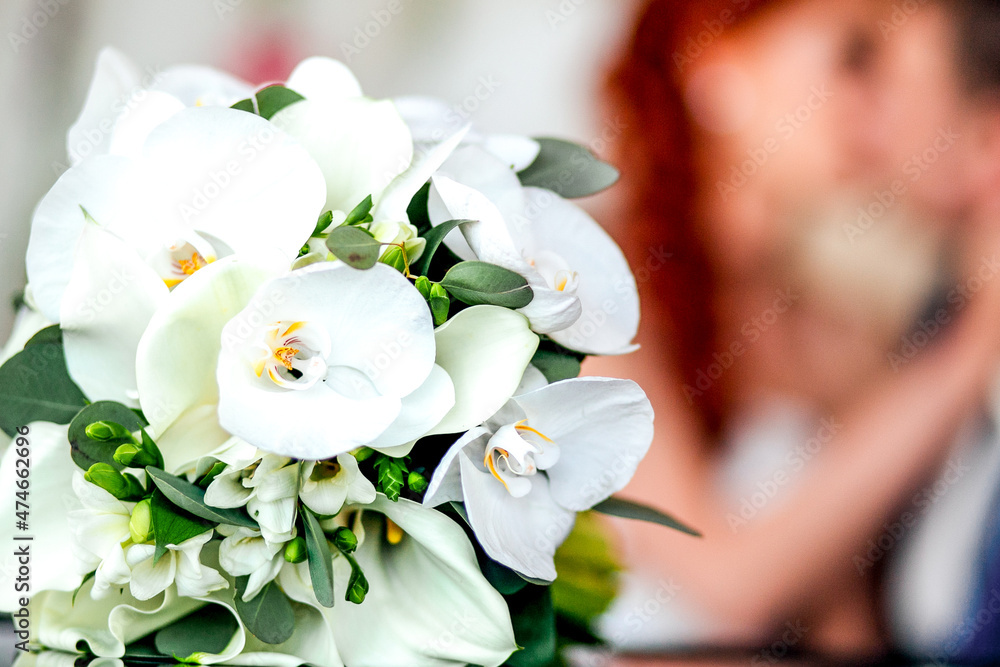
[(627, 509), (568, 169), (87, 451), (320, 558), (355, 246), (172, 525), (35, 386), (269, 615), (191, 498), (207, 630), (392, 474), (434, 237), (555, 366), (361, 213), (357, 585), (478, 283), (588, 572), (51, 334), (534, 622), (269, 101)]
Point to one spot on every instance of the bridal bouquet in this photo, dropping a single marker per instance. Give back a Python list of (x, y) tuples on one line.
[(295, 381)]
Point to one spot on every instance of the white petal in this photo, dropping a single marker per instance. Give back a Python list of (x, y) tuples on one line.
[(475, 168), (421, 411), (513, 150), (27, 323), (607, 289), (521, 533), (531, 380), (194, 435), (198, 85), (603, 428), (434, 569), (227, 490), (149, 580), (360, 145), (485, 350), (136, 122), (446, 483), (488, 238), (178, 353), (110, 299), (322, 79), (238, 178), (115, 82)]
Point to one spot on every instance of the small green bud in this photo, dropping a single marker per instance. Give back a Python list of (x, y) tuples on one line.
[(105, 476), (395, 258), (363, 454), (438, 291), (416, 482), (133, 456), (345, 540), (103, 431), (140, 525), (295, 551), (357, 586), (423, 285)]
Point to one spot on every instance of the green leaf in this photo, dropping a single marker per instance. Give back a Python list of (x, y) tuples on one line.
[(626, 509), (269, 615), (320, 558), (35, 386), (355, 246), (212, 473), (87, 577), (244, 105), (207, 630), (360, 213), (555, 366), (324, 221), (191, 498), (568, 169), (434, 238), (478, 283), (87, 451), (588, 571), (416, 210), (273, 99), (392, 475), (171, 525), (534, 623), (52, 334), (357, 585)]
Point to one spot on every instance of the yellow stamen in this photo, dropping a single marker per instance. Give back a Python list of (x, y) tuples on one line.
[(488, 462), (561, 284), (284, 355), (393, 533), (519, 426), (189, 266)]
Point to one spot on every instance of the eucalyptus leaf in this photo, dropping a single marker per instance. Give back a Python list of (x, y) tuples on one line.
[(555, 366), (51, 334), (568, 169), (355, 246), (191, 498), (320, 558), (434, 237), (87, 451), (477, 283), (207, 630), (269, 615), (171, 525), (269, 101), (626, 509), (35, 386)]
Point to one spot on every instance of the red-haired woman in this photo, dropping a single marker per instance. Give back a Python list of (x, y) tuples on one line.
[(796, 416)]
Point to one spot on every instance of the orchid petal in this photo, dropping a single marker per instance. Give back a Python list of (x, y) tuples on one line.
[(135, 123), (322, 79), (485, 350), (115, 83), (198, 85), (513, 150), (446, 483), (421, 411), (603, 428)]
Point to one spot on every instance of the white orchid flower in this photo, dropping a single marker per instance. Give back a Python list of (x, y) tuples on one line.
[(115, 234), (268, 486), (327, 485), (245, 552), (421, 560), (181, 565), (360, 144), (544, 456), (585, 295), (125, 103)]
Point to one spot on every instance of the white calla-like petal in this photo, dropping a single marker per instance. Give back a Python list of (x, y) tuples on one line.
[(111, 296), (359, 144), (521, 533), (50, 499), (134, 126), (115, 82), (603, 428), (485, 350), (446, 483), (185, 333), (606, 288), (322, 79), (421, 411), (194, 435)]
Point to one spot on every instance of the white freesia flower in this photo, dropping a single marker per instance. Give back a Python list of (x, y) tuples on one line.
[(209, 182), (124, 104), (181, 565), (99, 529), (327, 485), (268, 485), (422, 561), (245, 552), (585, 295), (544, 456)]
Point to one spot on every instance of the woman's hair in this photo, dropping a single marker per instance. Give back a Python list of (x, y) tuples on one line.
[(656, 159)]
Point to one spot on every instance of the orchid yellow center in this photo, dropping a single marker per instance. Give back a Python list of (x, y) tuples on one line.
[(517, 452), (290, 355), (182, 259)]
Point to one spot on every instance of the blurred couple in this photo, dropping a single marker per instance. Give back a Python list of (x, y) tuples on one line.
[(823, 343)]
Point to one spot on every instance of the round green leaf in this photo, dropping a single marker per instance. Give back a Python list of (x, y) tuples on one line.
[(568, 169), (480, 283), (35, 386), (356, 247)]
